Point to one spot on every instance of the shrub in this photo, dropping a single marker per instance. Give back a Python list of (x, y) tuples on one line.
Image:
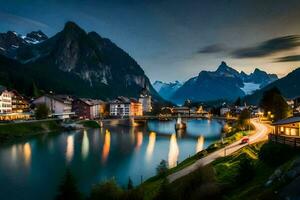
[(162, 168), (108, 190), (42, 111), (275, 154), (245, 170), (68, 188)]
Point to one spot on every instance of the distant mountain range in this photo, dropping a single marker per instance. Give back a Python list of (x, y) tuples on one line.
[(71, 62), (166, 90), (224, 83), (289, 87)]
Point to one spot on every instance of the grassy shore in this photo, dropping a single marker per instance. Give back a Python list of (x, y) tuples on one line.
[(152, 185), (13, 131), (229, 177), (89, 124)]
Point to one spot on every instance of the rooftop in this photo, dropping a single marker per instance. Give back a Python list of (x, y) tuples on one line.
[(289, 120)]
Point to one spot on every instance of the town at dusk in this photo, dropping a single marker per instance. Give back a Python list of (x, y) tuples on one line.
[(149, 100)]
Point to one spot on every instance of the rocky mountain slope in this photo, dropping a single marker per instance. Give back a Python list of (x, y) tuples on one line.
[(166, 90), (74, 62), (289, 87), (224, 83)]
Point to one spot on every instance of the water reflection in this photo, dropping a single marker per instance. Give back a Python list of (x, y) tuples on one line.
[(70, 148), (85, 145), (27, 153), (200, 144), (150, 147), (173, 151), (139, 140), (106, 146), (14, 153)]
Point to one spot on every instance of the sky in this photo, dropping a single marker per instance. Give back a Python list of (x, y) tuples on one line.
[(172, 39)]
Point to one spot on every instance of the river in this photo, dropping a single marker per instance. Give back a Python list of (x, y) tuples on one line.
[(34, 168)]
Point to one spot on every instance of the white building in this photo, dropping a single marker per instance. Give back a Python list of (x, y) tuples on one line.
[(123, 106), (60, 106), (224, 111), (5, 101), (146, 100)]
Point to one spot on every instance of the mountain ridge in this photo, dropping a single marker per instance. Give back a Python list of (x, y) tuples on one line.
[(223, 83), (95, 65)]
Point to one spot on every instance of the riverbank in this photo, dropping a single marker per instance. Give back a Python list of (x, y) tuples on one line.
[(252, 172), (152, 185), (16, 131)]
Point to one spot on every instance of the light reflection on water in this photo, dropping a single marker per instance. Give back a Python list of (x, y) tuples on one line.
[(173, 151), (151, 145), (97, 154), (70, 148), (106, 146), (200, 144), (85, 145)]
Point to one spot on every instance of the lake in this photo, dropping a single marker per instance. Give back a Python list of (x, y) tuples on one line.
[(34, 168)]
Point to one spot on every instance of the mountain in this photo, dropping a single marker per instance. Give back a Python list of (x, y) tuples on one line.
[(224, 83), (289, 87), (166, 90), (11, 41), (78, 63)]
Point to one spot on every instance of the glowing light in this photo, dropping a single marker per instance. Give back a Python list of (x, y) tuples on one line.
[(106, 146), (200, 144), (70, 148), (173, 151), (85, 145), (150, 147), (139, 140), (14, 153), (27, 153)]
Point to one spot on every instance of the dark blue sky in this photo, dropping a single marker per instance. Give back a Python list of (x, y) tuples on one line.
[(174, 40)]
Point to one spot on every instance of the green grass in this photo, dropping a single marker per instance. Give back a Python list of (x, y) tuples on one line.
[(89, 124), (13, 131)]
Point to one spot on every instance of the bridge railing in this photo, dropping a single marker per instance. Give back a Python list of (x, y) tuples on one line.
[(282, 139)]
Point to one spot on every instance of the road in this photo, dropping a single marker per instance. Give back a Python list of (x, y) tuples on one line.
[(259, 134)]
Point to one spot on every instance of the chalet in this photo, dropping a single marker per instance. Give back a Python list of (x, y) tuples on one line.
[(123, 106), (287, 127), (88, 108), (19, 103), (60, 105), (5, 101)]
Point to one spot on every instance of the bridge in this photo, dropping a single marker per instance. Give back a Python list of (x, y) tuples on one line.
[(140, 120)]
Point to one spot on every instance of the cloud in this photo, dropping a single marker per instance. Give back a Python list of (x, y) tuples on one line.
[(21, 20), (214, 48), (268, 47), (292, 58)]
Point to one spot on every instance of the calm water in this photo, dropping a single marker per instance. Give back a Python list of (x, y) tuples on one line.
[(34, 168)]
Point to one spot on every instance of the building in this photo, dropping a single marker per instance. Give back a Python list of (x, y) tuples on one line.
[(146, 100), (287, 127), (59, 105), (19, 103), (123, 106), (224, 111), (5, 101), (181, 110), (88, 108)]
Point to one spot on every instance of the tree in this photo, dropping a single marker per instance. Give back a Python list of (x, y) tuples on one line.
[(42, 111), (129, 184), (68, 188), (108, 190), (162, 168), (274, 105), (245, 170), (244, 119), (238, 102)]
